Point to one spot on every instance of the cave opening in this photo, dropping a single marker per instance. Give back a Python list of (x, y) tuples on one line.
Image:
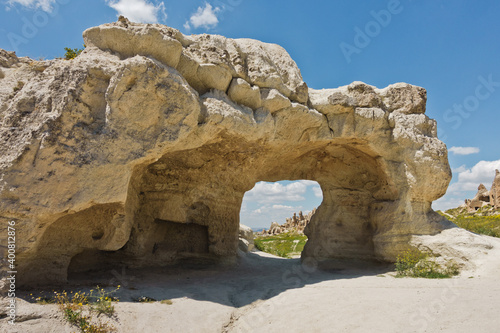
[(278, 213), (181, 238), (188, 205)]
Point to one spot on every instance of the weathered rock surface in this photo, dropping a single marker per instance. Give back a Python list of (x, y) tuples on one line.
[(495, 191), (139, 152), (246, 238)]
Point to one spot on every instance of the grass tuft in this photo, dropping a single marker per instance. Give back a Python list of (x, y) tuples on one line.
[(284, 245)]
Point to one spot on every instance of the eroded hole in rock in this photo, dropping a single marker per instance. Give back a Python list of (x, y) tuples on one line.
[(88, 260), (181, 238), (278, 213), (97, 234)]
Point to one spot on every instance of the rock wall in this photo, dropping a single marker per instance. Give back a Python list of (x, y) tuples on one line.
[(150, 132)]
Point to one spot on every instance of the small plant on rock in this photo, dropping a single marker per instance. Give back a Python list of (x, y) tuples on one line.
[(103, 301), (72, 53), (19, 86), (79, 309)]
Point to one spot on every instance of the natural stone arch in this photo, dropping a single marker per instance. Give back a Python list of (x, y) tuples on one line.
[(205, 186), (146, 140)]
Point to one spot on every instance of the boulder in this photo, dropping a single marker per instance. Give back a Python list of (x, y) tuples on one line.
[(243, 93), (246, 237), (138, 152), (273, 100)]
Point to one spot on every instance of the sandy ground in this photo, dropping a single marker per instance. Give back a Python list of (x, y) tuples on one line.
[(264, 293)]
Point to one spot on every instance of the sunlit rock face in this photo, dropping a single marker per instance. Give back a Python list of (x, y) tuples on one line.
[(139, 152)]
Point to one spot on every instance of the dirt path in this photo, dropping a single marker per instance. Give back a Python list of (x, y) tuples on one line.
[(264, 293)]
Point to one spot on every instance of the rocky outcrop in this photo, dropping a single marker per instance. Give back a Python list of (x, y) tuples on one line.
[(139, 152), (294, 224), (495, 191), (484, 197), (246, 238)]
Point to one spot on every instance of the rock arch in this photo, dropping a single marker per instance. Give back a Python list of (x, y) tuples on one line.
[(123, 147)]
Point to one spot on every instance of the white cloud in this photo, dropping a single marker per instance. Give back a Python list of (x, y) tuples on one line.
[(277, 212), (276, 193), (142, 11), (466, 185), (464, 150), (45, 5), (445, 203), (481, 173), (204, 17), (282, 207), (307, 182), (318, 192), (461, 168)]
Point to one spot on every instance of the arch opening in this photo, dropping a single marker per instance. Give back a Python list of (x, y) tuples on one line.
[(278, 213), (205, 187), (187, 204)]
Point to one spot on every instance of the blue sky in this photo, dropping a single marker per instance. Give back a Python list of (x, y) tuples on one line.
[(451, 48)]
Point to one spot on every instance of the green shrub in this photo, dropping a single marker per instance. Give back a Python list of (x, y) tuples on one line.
[(19, 86), (72, 53), (79, 309), (415, 263)]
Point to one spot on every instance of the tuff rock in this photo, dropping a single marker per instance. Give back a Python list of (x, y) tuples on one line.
[(294, 224), (246, 238), (138, 152)]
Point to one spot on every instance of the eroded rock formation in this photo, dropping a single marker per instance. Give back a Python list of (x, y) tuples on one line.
[(484, 197), (246, 239), (295, 224), (139, 152)]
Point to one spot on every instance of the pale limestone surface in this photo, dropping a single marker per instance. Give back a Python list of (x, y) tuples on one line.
[(139, 152), (264, 293), (246, 238)]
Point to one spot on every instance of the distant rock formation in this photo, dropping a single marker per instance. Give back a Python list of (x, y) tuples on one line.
[(484, 197), (495, 191), (293, 224)]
